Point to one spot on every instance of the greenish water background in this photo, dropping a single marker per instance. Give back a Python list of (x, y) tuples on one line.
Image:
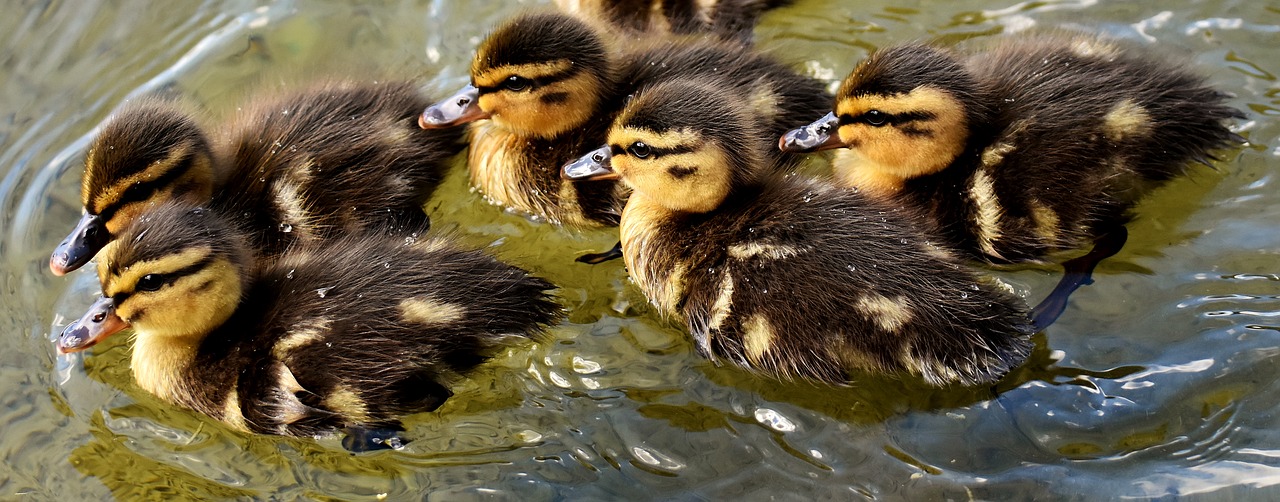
[(1159, 380)]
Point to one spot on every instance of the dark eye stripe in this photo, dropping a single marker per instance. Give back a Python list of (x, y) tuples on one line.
[(171, 277), (534, 83), (139, 192), (654, 151), (889, 118)]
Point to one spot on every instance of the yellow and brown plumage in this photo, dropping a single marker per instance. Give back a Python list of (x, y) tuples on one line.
[(787, 275), (728, 19), (349, 333), (1038, 144), (549, 85), (299, 166)]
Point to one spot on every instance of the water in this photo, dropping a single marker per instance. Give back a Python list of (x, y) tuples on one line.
[(1160, 379)]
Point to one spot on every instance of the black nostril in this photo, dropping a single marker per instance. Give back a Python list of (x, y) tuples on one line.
[(597, 157), (464, 101)]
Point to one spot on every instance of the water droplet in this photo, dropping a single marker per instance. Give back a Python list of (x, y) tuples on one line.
[(289, 275), (324, 291), (286, 228)]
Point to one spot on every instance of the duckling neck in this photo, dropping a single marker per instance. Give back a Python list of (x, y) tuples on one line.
[(858, 171), (641, 234), (160, 364)]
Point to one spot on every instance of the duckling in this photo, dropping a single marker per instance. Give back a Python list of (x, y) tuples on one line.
[(334, 157), (550, 84), (351, 333), (1042, 143), (784, 274), (728, 19)]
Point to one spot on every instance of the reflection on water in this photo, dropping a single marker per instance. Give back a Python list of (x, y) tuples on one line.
[(1160, 379)]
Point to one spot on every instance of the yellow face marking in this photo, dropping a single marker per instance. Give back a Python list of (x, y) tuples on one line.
[(112, 194), (497, 75), (345, 401), (1127, 119), (128, 278), (890, 314), (757, 337), (526, 112), (1046, 221), (891, 152), (300, 336), (650, 178), (428, 311), (770, 251), (189, 308), (989, 212)]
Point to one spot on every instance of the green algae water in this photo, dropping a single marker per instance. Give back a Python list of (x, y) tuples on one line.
[(1161, 380)]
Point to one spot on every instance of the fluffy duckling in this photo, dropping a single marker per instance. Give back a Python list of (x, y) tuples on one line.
[(551, 83), (784, 274), (349, 334), (728, 19), (1039, 144), (335, 157)]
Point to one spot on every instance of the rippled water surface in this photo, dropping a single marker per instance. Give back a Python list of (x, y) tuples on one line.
[(1160, 379)]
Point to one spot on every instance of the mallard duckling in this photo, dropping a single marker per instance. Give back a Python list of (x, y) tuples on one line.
[(1042, 143), (336, 157), (351, 333), (728, 19), (551, 83), (785, 274)]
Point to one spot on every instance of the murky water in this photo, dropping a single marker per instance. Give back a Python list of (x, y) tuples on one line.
[(1161, 379)]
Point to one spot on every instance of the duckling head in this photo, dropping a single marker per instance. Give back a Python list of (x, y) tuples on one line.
[(906, 111), (146, 154), (538, 75), (176, 274), (680, 144)]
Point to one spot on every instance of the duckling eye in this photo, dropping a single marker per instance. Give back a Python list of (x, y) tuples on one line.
[(639, 150), (516, 83), (875, 118), (150, 282)]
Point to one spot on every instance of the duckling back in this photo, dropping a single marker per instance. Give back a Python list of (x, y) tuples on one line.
[(374, 328), (1042, 142), (785, 275), (516, 161), (335, 158), (728, 19), (353, 332), (802, 280)]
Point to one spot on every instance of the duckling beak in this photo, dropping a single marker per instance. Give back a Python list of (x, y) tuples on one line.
[(79, 247), (95, 326), (820, 135), (592, 166), (460, 108)]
